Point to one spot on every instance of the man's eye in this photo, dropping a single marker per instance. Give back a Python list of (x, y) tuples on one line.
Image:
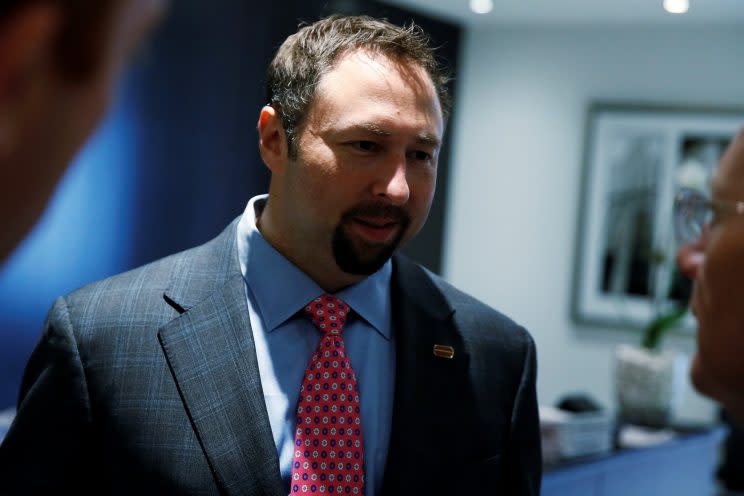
[(365, 146), (420, 156)]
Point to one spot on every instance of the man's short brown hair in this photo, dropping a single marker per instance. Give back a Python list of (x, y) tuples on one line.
[(80, 40), (305, 56)]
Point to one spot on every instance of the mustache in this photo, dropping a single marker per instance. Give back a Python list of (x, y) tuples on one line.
[(386, 211)]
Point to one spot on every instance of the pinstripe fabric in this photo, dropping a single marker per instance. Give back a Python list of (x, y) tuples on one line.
[(147, 383)]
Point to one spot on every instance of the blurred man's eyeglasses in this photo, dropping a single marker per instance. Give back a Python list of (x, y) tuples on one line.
[(693, 211)]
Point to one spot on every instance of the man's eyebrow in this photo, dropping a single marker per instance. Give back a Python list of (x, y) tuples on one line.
[(422, 138), (371, 127), (428, 139)]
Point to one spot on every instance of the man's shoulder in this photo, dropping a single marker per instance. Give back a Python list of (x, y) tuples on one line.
[(151, 276), (462, 300), (152, 280), (471, 313)]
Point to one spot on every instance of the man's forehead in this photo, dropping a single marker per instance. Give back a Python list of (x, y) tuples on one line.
[(369, 53), (362, 74), (382, 63)]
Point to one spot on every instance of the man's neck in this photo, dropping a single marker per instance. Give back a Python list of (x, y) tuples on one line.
[(327, 274)]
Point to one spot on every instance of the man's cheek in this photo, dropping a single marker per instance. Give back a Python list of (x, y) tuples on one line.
[(700, 378), (723, 268), (720, 273), (699, 298)]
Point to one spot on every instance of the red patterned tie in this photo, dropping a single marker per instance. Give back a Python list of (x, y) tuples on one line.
[(328, 455)]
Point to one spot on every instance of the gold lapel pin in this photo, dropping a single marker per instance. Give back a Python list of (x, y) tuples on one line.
[(443, 351)]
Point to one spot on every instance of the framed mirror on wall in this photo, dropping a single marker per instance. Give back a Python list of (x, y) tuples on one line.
[(636, 159)]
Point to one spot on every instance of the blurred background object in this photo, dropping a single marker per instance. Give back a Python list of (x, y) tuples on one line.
[(576, 427)]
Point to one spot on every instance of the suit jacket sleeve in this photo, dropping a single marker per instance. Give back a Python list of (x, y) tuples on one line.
[(46, 449), (524, 457)]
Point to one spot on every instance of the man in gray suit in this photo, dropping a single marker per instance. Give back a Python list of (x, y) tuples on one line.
[(190, 375)]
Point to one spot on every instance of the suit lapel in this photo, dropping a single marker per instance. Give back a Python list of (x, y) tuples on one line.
[(423, 382), (212, 356)]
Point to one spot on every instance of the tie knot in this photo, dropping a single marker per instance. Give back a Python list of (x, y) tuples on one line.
[(328, 313)]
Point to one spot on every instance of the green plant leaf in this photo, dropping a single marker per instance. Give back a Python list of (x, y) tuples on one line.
[(653, 333)]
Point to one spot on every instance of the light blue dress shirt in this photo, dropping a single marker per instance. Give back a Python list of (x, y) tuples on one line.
[(277, 290)]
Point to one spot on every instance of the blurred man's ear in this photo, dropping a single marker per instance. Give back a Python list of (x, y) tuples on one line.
[(272, 141), (27, 59)]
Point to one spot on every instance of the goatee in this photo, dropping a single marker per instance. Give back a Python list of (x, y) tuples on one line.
[(346, 255)]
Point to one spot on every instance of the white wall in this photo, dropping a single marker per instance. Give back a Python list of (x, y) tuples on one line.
[(517, 165)]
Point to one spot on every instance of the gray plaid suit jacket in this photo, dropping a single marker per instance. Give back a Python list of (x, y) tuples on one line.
[(147, 383)]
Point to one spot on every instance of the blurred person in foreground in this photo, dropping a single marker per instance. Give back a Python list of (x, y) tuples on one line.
[(59, 61), (712, 254), (295, 353)]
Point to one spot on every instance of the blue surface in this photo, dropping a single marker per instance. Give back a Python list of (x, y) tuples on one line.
[(79, 239), (682, 467)]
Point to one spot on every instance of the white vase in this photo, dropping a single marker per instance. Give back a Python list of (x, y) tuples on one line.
[(648, 384)]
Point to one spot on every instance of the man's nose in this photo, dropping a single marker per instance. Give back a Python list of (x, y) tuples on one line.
[(394, 185), (690, 257)]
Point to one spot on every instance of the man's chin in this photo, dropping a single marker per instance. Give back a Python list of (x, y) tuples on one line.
[(365, 266), (711, 383), (363, 260)]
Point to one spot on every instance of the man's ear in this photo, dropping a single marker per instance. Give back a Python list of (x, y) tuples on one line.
[(27, 58), (272, 141)]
